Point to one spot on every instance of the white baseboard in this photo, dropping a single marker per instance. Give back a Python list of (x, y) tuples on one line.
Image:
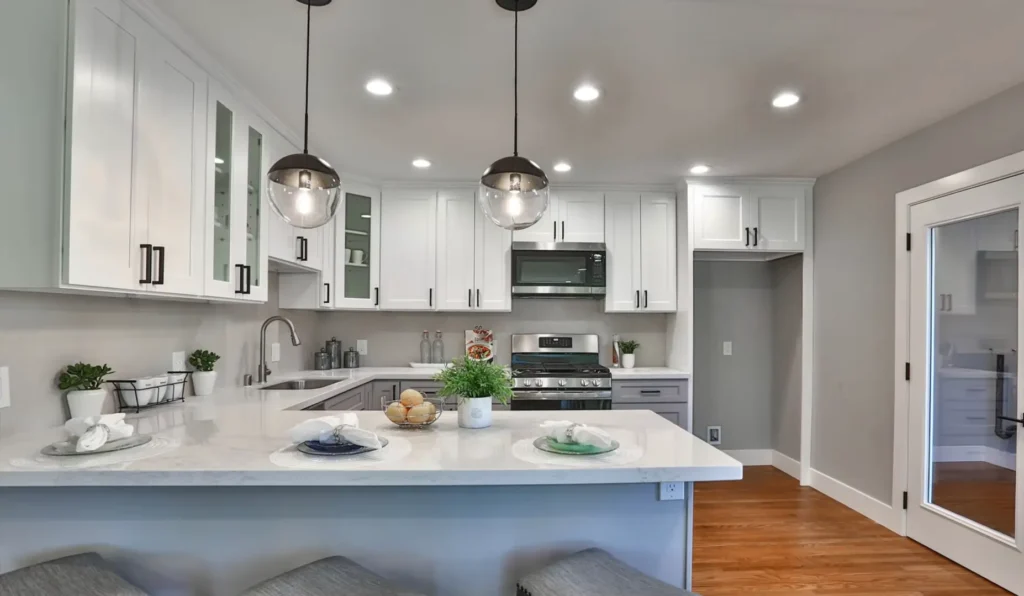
[(751, 457), (786, 464), (864, 504), (979, 453)]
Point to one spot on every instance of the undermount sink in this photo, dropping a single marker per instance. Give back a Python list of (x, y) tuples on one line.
[(301, 384)]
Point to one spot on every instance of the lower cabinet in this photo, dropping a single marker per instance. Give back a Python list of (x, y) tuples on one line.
[(668, 399), (382, 392), (351, 400), (676, 413)]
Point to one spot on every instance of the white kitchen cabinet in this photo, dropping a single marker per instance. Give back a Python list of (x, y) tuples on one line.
[(572, 216), (300, 249), (493, 250), (759, 217), (408, 250), (956, 268), (473, 257), (640, 232), (357, 249), (998, 232)]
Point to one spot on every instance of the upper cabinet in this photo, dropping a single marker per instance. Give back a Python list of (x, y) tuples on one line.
[(640, 231), (767, 217), (473, 256), (357, 250), (408, 250), (572, 216)]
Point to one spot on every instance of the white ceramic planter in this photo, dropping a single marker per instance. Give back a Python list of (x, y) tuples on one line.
[(474, 412), (83, 404), (203, 382), (628, 360)]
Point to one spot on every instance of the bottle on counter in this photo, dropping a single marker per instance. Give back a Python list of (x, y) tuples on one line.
[(616, 352), (425, 347), (437, 350)]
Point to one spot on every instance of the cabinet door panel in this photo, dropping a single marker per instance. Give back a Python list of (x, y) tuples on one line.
[(581, 216), (357, 249), (622, 235), (223, 276), (658, 252), (956, 279), (720, 219), (104, 231), (780, 219), (281, 245), (408, 227), (545, 230), (256, 202), (676, 413), (456, 219), (493, 276)]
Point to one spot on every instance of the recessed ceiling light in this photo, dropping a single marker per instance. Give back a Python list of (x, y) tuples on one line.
[(700, 169), (562, 167), (379, 87), (586, 93), (420, 163), (786, 99)]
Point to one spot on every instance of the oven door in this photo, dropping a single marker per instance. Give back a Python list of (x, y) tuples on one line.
[(561, 400), (564, 268)]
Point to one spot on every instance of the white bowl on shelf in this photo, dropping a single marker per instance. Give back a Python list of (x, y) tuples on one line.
[(175, 391), (140, 392)]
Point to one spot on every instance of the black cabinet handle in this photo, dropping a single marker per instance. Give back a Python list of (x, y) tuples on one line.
[(328, 301), (755, 236), (248, 278), (147, 267), (1016, 239), (478, 298), (159, 253), (376, 296), (431, 298), (470, 298), (298, 248), (554, 230), (563, 229), (748, 236), (305, 248), (638, 298), (241, 279), (650, 391), (645, 298)]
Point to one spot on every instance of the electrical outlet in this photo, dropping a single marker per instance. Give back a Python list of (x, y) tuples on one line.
[(727, 348), (275, 352), (671, 491), (178, 361), (5, 387), (714, 435), (362, 346)]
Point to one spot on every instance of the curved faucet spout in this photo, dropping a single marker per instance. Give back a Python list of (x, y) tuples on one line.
[(263, 371)]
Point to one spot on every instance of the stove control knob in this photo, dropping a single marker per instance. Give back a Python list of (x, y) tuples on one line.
[(585, 382), (528, 382), (562, 382)]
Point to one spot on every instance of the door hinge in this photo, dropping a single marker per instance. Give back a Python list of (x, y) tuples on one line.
[(908, 241), (906, 499), (908, 371)]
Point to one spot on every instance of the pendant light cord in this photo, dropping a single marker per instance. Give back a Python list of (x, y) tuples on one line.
[(305, 139), (515, 83)]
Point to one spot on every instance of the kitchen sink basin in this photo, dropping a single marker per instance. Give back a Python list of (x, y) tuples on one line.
[(301, 384)]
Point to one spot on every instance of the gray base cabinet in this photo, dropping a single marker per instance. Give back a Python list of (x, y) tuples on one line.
[(669, 399), (351, 401)]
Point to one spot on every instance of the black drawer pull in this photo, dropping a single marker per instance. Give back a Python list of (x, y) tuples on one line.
[(650, 392)]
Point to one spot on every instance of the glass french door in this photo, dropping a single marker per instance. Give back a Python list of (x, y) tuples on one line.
[(965, 495)]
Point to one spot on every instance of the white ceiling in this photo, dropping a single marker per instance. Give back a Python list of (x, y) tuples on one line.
[(683, 81)]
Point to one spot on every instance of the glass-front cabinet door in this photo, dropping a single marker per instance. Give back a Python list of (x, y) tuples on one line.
[(357, 244), (255, 210)]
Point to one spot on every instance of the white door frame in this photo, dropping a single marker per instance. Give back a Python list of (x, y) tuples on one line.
[(999, 169)]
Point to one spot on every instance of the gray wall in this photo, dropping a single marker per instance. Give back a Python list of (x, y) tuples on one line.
[(42, 333), (787, 345), (394, 337), (732, 301), (854, 242)]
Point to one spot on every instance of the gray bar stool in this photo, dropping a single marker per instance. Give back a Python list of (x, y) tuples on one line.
[(593, 572), (333, 576), (79, 575)]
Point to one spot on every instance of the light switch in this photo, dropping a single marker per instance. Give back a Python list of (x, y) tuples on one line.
[(275, 352), (178, 361), (727, 348), (362, 346), (5, 387)]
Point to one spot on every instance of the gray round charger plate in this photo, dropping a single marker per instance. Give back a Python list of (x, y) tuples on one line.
[(546, 444), (67, 448), (310, 451)]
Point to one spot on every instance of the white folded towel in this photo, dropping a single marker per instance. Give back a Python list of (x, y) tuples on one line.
[(334, 429), (95, 431), (565, 431)]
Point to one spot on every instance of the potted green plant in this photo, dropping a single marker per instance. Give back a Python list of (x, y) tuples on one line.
[(84, 384), (475, 383), (629, 348), (204, 377)]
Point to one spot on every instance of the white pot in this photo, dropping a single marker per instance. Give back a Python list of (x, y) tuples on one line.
[(474, 412), (628, 360), (203, 382), (83, 404)]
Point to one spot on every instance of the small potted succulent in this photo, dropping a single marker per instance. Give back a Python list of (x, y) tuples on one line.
[(84, 384), (629, 348), (204, 377), (474, 383)]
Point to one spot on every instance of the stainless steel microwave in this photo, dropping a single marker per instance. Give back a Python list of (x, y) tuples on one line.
[(559, 269)]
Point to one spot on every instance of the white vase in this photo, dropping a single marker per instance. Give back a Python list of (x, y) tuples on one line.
[(203, 382), (474, 412), (628, 360), (83, 404)]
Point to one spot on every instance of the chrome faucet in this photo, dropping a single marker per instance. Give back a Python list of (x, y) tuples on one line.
[(263, 371)]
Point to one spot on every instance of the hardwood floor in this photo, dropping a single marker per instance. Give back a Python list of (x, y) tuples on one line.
[(978, 491), (766, 534)]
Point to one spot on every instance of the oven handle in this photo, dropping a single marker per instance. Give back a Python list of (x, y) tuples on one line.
[(561, 395)]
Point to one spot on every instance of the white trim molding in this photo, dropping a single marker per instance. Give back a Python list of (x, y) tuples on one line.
[(751, 457), (862, 503), (786, 464)]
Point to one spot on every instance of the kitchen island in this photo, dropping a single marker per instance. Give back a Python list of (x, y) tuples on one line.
[(219, 500)]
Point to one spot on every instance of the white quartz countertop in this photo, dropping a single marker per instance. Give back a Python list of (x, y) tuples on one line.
[(651, 373), (239, 437)]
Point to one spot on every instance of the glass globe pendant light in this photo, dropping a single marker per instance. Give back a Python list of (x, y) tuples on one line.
[(514, 190), (304, 189)]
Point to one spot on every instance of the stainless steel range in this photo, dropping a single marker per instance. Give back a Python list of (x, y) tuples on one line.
[(559, 372)]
